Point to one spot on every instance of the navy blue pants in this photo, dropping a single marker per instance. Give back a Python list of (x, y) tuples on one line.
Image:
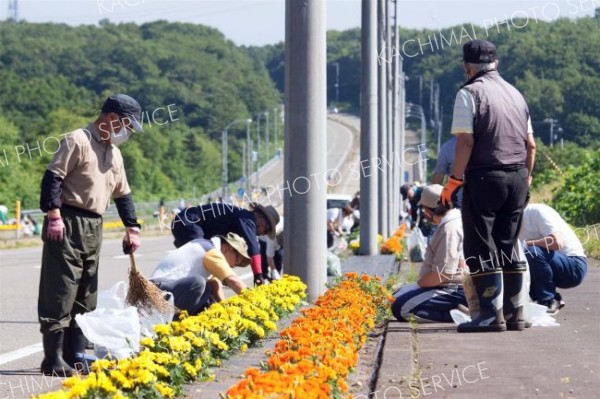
[(190, 293), (553, 269), (427, 304)]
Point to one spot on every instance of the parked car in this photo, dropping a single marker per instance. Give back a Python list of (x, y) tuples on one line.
[(338, 200)]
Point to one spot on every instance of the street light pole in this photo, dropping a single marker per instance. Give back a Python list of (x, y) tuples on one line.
[(411, 109), (337, 83), (224, 154), (224, 149), (305, 152), (266, 114), (382, 118), (258, 136), (368, 127), (552, 122), (248, 155)]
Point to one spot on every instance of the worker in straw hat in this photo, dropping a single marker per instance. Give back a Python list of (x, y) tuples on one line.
[(207, 221), (194, 273)]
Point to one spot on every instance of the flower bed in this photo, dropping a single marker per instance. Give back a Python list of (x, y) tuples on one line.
[(318, 351), (355, 243), (185, 350), (393, 245)]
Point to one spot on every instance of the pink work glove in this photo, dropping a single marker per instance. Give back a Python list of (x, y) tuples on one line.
[(131, 241), (55, 230)]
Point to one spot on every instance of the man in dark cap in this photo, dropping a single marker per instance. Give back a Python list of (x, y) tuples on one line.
[(86, 171), (207, 221), (494, 157)]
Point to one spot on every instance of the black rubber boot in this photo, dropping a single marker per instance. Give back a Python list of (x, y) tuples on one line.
[(514, 297), (53, 363), (74, 350), (488, 286)]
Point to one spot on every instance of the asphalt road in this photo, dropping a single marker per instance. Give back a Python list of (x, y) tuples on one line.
[(20, 340)]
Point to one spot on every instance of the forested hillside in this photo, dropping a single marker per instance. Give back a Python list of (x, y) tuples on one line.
[(556, 65), (54, 78)]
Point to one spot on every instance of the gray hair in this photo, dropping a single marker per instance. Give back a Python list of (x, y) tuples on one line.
[(482, 67)]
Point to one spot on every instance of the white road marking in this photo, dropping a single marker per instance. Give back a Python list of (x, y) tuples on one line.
[(126, 256), (35, 348), (246, 276), (20, 353)]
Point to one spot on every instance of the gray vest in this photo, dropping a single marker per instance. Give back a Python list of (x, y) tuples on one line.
[(500, 125)]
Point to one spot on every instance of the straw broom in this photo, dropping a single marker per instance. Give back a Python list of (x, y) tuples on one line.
[(143, 294)]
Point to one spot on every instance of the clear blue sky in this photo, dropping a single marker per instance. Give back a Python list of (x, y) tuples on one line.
[(258, 22)]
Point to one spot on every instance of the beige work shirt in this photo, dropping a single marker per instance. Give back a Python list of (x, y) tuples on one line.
[(445, 249), (92, 171)]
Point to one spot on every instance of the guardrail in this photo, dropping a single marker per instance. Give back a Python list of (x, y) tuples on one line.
[(146, 209)]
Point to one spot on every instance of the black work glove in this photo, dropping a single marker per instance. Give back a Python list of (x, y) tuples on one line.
[(258, 280)]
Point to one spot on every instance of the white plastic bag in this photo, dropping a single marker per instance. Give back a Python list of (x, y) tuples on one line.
[(537, 315), (416, 245), (153, 317), (113, 327), (532, 312), (334, 266)]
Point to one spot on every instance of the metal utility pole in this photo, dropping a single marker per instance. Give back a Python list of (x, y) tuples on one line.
[(440, 125), (420, 89), (248, 153), (224, 173), (551, 121), (258, 136), (368, 128), (436, 112), (390, 118), (13, 10), (382, 113), (245, 166), (396, 126), (415, 110), (225, 157), (337, 83), (274, 130), (305, 153), (266, 113), (431, 99)]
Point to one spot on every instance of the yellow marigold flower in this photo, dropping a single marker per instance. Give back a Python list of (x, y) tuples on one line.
[(162, 329), (270, 325), (148, 342), (243, 348), (191, 370), (144, 377), (120, 379), (78, 390), (164, 390)]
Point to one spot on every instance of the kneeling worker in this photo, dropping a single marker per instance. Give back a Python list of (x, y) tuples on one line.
[(439, 287), (194, 272)]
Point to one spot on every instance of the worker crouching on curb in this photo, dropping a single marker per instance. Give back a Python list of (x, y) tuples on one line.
[(207, 221), (193, 273)]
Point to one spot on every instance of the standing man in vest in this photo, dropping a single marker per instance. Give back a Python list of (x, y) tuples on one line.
[(495, 153), (84, 174)]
